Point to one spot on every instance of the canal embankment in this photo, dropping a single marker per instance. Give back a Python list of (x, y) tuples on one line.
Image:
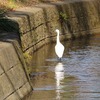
[(27, 29)]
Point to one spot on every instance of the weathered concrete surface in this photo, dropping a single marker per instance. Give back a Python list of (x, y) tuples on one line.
[(83, 16), (51, 12), (14, 82), (39, 22), (28, 18)]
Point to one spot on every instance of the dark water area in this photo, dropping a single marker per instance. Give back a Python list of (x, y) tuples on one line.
[(77, 77)]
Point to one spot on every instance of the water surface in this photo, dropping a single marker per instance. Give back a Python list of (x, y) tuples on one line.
[(77, 77)]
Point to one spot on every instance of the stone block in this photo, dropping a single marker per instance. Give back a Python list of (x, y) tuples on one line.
[(95, 31), (70, 10), (6, 87), (24, 90), (39, 45), (50, 11), (82, 24), (41, 32), (13, 96), (22, 22), (53, 25), (84, 33), (74, 9), (1, 69), (74, 23), (27, 18), (8, 56), (35, 15), (26, 40), (62, 7), (17, 76), (68, 36), (93, 22), (90, 8)]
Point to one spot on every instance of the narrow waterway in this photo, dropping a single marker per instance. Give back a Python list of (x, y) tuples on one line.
[(77, 77)]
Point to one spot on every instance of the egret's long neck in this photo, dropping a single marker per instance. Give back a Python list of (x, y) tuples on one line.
[(58, 40)]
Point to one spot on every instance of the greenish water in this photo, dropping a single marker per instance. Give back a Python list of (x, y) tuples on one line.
[(77, 77)]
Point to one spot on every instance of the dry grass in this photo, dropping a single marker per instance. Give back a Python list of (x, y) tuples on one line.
[(13, 4), (6, 5), (9, 5)]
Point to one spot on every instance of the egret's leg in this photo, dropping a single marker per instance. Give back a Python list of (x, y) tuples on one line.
[(59, 59)]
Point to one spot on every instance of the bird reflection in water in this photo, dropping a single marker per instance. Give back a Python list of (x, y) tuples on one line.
[(59, 76)]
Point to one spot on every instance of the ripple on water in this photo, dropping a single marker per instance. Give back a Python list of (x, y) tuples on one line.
[(77, 76)]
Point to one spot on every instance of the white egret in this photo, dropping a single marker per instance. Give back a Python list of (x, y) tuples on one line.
[(59, 48)]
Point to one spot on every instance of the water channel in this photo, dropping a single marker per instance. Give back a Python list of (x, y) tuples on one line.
[(77, 77)]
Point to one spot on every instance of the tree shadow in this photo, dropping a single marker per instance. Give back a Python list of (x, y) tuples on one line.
[(81, 14), (78, 18), (87, 14)]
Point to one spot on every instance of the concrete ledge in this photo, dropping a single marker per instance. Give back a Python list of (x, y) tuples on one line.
[(27, 18), (8, 56), (14, 96), (50, 11), (23, 91)]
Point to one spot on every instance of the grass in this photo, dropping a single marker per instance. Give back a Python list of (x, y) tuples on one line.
[(7, 6)]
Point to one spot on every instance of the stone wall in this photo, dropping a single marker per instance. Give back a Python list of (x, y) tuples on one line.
[(29, 28), (14, 82), (38, 23)]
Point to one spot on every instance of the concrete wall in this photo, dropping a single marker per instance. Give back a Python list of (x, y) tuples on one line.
[(29, 28), (14, 83), (39, 22)]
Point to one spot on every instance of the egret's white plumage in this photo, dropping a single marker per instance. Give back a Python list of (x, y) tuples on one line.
[(59, 48)]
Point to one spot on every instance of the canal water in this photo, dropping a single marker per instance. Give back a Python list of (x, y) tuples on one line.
[(76, 77)]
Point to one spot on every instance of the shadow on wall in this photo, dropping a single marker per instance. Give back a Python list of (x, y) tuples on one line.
[(87, 15), (9, 30), (82, 16), (76, 17), (65, 21)]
